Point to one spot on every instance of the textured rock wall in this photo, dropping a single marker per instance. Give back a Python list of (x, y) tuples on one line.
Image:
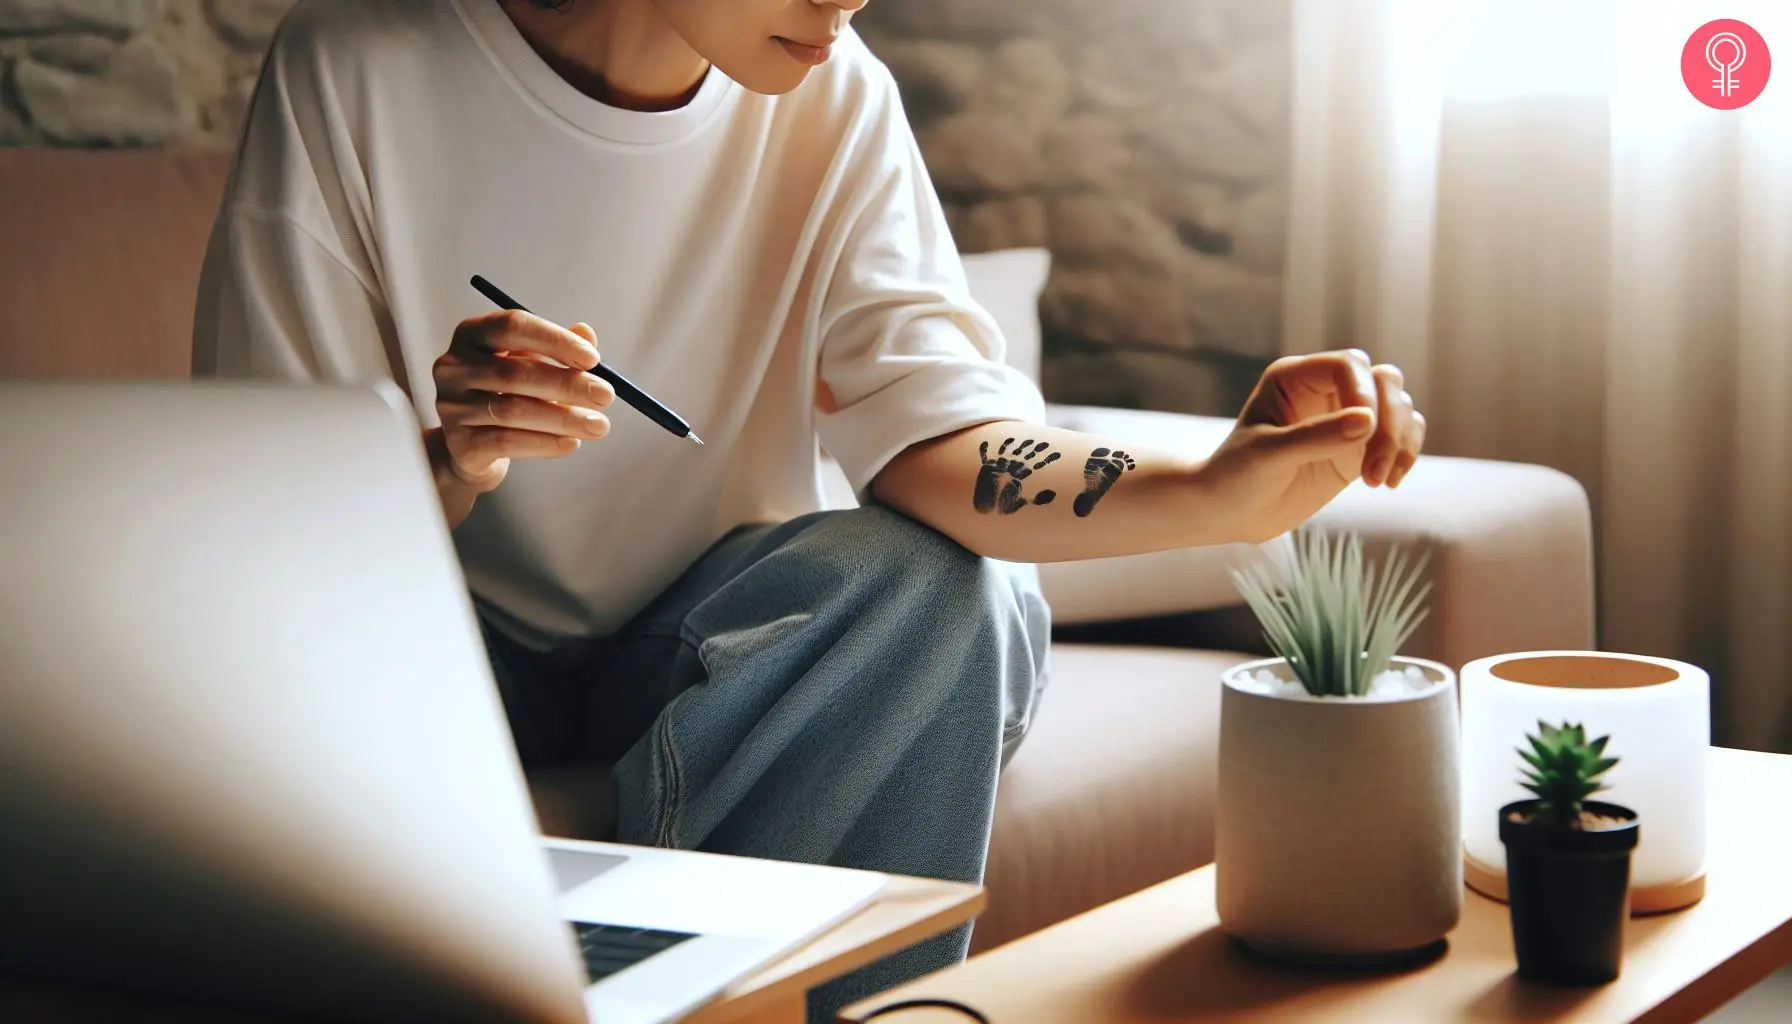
[(1145, 143), (1142, 141), (129, 72)]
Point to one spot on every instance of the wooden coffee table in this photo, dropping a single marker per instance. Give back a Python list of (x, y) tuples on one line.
[(1158, 955)]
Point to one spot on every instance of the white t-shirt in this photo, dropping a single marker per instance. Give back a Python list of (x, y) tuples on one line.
[(733, 256)]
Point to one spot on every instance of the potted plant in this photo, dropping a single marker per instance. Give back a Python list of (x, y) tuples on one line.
[(1567, 861), (1338, 828)]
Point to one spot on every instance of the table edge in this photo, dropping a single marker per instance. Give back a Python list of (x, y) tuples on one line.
[(954, 903)]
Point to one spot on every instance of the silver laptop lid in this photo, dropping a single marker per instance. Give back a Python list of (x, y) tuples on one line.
[(250, 748)]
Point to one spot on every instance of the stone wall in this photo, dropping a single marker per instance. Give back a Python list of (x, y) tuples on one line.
[(130, 72), (1142, 141)]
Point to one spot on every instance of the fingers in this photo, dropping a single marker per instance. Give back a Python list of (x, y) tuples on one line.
[(1319, 437), (470, 368), (476, 450), (1399, 434), (1350, 375), (519, 412), (1394, 407), (504, 390), (1320, 406), (517, 375), (1294, 388), (1409, 450), (513, 330)]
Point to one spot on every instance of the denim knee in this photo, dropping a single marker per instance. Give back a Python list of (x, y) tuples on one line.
[(892, 553), (939, 583)]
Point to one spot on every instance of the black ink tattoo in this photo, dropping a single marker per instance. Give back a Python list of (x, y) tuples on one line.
[(1099, 476), (999, 481)]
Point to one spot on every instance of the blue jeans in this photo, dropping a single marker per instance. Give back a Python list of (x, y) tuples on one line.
[(838, 689)]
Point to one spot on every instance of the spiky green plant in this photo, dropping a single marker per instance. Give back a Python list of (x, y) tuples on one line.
[(1334, 619), (1564, 770)]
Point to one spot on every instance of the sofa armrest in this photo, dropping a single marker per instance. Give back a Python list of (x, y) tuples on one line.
[(1511, 550)]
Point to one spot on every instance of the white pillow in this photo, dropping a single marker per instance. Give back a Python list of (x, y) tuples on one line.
[(1008, 284)]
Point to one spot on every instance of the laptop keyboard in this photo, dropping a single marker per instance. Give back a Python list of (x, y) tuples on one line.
[(611, 948)]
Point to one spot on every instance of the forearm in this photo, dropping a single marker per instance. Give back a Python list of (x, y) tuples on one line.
[(456, 496), (998, 492)]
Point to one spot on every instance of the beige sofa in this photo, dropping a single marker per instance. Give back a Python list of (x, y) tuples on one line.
[(1113, 790)]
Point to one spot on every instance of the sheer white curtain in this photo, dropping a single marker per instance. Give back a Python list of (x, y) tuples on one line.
[(1579, 265)]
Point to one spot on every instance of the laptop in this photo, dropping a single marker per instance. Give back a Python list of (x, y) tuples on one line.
[(251, 751)]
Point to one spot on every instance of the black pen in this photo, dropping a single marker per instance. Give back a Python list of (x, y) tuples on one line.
[(649, 406)]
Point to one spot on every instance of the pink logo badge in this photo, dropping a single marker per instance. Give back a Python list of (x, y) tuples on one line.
[(1725, 64)]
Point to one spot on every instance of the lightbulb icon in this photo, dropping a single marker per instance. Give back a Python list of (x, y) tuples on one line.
[(1725, 83)]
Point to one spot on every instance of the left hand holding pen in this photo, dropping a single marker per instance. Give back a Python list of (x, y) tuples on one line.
[(1314, 424)]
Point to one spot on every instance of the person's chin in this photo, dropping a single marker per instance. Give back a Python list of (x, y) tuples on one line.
[(776, 79)]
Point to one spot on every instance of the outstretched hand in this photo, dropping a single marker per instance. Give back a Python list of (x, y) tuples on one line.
[(1314, 424)]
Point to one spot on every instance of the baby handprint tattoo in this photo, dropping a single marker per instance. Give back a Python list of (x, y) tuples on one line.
[(1000, 480)]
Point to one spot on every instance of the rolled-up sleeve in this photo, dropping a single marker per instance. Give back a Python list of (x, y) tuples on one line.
[(906, 354)]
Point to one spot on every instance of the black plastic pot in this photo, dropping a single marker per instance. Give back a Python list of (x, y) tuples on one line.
[(1569, 891)]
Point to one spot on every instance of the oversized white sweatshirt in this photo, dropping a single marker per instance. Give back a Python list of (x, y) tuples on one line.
[(741, 259)]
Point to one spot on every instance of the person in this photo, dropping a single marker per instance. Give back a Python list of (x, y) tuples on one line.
[(725, 200)]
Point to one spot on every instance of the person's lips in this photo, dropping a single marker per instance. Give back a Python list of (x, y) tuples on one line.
[(808, 53)]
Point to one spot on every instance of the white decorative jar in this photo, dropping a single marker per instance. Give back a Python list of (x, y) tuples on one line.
[(1658, 715), (1338, 828)]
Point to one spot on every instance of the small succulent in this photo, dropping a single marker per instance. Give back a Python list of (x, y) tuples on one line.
[(1331, 617), (1564, 770)]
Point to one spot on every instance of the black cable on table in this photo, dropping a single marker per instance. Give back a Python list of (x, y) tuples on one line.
[(938, 1004)]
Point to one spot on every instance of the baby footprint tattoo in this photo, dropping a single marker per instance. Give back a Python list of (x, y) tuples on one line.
[(999, 481), (1099, 476)]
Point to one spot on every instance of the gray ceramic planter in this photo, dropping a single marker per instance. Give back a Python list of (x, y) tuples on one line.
[(1339, 827)]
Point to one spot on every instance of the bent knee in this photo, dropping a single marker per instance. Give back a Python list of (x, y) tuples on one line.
[(899, 555), (890, 535), (884, 556), (918, 579), (887, 544)]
